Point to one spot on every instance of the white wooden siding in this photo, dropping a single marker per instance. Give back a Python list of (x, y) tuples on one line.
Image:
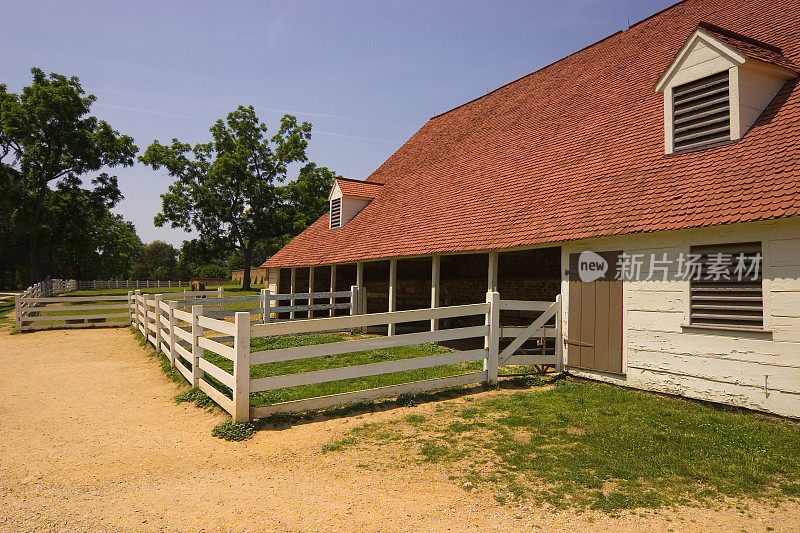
[(753, 370)]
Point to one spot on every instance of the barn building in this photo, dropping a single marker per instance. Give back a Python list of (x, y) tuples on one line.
[(674, 143)]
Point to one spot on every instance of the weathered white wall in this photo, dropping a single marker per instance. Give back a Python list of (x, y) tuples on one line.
[(755, 85), (753, 370)]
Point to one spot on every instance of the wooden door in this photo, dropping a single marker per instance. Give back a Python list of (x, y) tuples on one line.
[(594, 333)]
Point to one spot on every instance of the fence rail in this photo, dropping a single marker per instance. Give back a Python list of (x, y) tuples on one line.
[(194, 327), (190, 337)]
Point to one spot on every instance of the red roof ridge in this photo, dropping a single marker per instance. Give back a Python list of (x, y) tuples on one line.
[(738, 36), (358, 181)]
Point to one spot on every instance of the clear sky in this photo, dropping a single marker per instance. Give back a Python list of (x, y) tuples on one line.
[(366, 74)]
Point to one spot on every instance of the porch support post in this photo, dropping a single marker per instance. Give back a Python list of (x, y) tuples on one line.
[(333, 289), (292, 290), (362, 288), (310, 289), (392, 291), (436, 267), (492, 341), (362, 292), (493, 261), (559, 335)]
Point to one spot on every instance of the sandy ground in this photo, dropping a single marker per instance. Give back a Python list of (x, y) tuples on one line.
[(91, 439)]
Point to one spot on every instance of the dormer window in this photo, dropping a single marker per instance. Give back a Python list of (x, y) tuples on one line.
[(336, 213), (717, 86), (701, 113), (348, 198)]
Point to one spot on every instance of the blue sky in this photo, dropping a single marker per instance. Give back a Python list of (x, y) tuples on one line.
[(366, 74)]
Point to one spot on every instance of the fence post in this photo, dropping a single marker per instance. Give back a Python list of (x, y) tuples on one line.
[(265, 305), (492, 344), (173, 322), (130, 304), (137, 298), (197, 351), (157, 307), (241, 368), (354, 307), (559, 337), (18, 312)]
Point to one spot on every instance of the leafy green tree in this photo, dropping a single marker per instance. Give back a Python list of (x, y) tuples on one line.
[(85, 240), (229, 188), (197, 253), (158, 262), (48, 134)]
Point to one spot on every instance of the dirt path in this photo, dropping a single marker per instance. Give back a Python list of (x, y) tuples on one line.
[(91, 439)]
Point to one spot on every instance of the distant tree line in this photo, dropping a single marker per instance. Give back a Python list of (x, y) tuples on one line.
[(57, 198)]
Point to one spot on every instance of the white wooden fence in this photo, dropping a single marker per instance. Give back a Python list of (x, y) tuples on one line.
[(187, 336), (56, 312), (82, 285)]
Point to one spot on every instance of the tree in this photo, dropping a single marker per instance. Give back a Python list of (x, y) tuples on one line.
[(158, 262), (85, 240), (48, 134), (229, 189)]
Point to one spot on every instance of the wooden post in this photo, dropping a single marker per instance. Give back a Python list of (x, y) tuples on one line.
[(436, 268), (493, 263), (265, 305), (241, 368), (137, 296), (197, 351), (559, 337), (18, 312), (292, 287), (333, 289), (354, 298), (492, 343), (157, 299), (362, 291), (310, 289), (392, 291), (130, 305), (145, 319), (173, 339)]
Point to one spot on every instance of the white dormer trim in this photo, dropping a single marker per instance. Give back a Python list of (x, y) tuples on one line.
[(752, 83), (350, 206)]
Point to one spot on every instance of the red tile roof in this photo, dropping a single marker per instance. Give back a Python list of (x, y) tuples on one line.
[(362, 189), (750, 47), (576, 150)]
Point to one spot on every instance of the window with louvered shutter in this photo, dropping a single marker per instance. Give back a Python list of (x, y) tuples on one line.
[(336, 213), (701, 113), (728, 292)]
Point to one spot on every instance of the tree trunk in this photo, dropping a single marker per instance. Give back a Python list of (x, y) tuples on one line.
[(247, 255), (34, 242)]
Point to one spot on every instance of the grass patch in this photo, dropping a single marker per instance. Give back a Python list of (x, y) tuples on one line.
[(163, 361), (256, 289), (197, 397), (337, 361), (6, 306), (234, 431), (585, 445), (337, 445)]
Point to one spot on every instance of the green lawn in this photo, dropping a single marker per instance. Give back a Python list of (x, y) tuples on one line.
[(586, 445), (230, 290), (6, 306), (336, 361)]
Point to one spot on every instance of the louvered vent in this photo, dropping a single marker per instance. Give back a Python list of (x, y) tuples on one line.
[(701, 113), (728, 292), (336, 213)]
